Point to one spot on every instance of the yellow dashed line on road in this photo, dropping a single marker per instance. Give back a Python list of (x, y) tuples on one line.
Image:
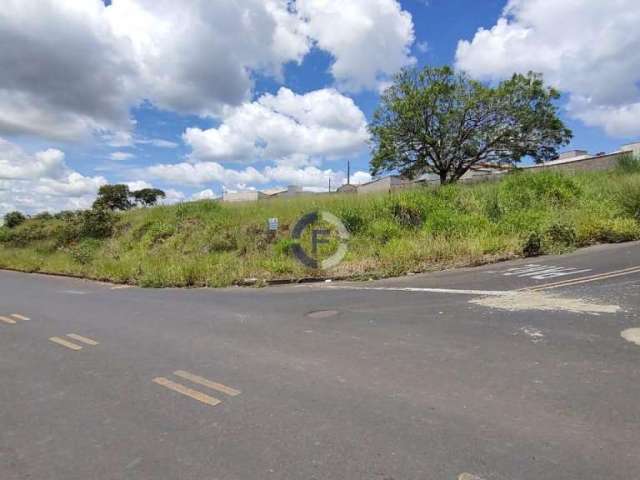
[(64, 343), (196, 395), (82, 339), (208, 383), (7, 320), (19, 317)]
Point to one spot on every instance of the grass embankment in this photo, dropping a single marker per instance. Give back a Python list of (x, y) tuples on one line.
[(210, 244)]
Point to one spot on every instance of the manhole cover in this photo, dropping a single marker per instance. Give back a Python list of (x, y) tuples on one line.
[(323, 314)]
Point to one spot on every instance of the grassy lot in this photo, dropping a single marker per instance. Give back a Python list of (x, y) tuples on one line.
[(210, 244)]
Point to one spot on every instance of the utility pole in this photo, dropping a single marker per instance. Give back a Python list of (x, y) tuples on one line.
[(348, 172), (329, 184)]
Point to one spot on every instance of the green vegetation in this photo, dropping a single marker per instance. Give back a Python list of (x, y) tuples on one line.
[(211, 244), (439, 121)]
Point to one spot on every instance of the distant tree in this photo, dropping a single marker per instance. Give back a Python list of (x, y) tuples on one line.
[(42, 216), (113, 197), (443, 122), (13, 219), (148, 196)]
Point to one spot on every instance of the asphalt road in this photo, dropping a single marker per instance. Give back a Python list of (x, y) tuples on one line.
[(400, 379)]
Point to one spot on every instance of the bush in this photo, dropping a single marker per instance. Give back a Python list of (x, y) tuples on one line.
[(13, 219), (384, 230), (406, 215), (561, 235), (532, 246), (95, 223), (628, 197), (524, 190), (352, 219), (628, 164)]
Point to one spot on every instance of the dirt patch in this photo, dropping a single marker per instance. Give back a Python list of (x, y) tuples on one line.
[(519, 301)]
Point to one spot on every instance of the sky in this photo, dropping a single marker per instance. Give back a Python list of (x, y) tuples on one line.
[(200, 96)]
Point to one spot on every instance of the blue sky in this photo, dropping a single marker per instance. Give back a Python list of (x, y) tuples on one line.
[(111, 98)]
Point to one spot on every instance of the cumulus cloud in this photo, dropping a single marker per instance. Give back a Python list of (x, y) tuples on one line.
[(42, 181), (201, 173), (590, 49), (286, 127), (77, 67), (369, 39), (94, 62)]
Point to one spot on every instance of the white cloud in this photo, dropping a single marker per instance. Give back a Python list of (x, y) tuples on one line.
[(369, 39), (191, 56), (589, 49), (207, 194), (201, 173), (71, 68), (42, 181), (285, 127), (120, 156)]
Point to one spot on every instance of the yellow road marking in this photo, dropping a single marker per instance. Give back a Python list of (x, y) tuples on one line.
[(7, 320), (196, 395), (64, 343), (82, 339), (207, 383), (19, 317), (587, 279)]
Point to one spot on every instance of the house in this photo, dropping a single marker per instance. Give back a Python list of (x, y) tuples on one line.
[(291, 191), (385, 184), (348, 188), (245, 196)]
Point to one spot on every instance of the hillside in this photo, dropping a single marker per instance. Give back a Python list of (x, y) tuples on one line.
[(212, 244)]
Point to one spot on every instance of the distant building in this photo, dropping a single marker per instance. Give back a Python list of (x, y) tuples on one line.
[(348, 188), (245, 196), (291, 191), (385, 184), (631, 148)]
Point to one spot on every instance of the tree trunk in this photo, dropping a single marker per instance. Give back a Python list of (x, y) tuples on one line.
[(443, 177)]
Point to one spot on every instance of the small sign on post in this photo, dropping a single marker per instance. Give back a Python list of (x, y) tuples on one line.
[(273, 224)]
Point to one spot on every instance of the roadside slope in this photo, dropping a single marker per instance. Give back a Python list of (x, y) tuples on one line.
[(211, 244)]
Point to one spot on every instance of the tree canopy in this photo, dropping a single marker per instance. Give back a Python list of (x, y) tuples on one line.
[(148, 196), (443, 122), (13, 219), (113, 197)]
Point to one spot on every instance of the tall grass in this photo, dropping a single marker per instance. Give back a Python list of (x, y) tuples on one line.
[(211, 244)]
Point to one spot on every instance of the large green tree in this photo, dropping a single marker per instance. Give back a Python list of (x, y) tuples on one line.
[(113, 197), (148, 196), (443, 122)]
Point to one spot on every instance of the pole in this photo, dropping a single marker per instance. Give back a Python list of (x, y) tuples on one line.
[(348, 172)]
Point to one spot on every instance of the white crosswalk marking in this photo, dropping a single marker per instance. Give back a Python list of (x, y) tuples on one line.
[(543, 272)]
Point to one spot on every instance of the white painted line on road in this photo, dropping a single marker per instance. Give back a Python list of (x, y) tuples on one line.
[(587, 279), (632, 335), (82, 339), (207, 383), (492, 293), (196, 395), (7, 320), (65, 343), (542, 272), (19, 317)]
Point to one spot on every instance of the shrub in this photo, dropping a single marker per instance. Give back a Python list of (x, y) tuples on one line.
[(561, 235), (406, 215), (532, 246), (628, 197), (13, 219), (628, 164), (525, 190), (85, 251), (352, 219), (384, 230)]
